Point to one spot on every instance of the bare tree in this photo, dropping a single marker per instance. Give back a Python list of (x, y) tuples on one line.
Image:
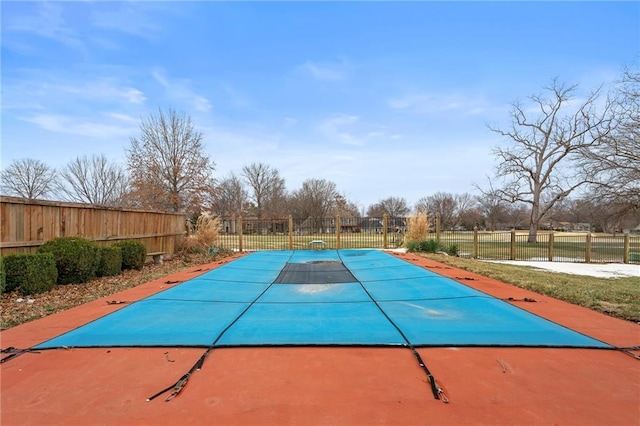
[(344, 206), (613, 166), (440, 203), (315, 199), (94, 180), (267, 188), (375, 210), (168, 166), (28, 178), (536, 168), (393, 206), (230, 197)]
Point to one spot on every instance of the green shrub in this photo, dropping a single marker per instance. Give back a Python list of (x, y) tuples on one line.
[(30, 273), (429, 246), (110, 261), (133, 254), (76, 258), (413, 246), (452, 249), (3, 276)]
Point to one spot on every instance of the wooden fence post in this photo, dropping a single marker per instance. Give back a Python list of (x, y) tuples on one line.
[(550, 248), (587, 248), (240, 234), (627, 245), (475, 242), (290, 232), (385, 226), (338, 226), (512, 254), (438, 227)]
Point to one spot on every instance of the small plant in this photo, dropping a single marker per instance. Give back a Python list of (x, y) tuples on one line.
[(431, 246), (413, 246), (110, 261), (76, 258), (428, 246), (30, 273), (134, 254), (452, 249)]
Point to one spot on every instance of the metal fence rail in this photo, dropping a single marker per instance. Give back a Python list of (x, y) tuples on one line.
[(549, 246), (290, 233)]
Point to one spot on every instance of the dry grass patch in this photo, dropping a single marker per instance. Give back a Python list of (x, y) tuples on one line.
[(207, 231), (417, 228)]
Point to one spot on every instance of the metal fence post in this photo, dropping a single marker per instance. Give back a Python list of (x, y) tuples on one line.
[(587, 248), (475, 242), (550, 248), (512, 254), (290, 232), (627, 244), (240, 234), (385, 225)]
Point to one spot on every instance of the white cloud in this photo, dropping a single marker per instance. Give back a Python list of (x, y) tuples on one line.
[(350, 130), (326, 71), (80, 126), (290, 122), (236, 99), (122, 117), (46, 20), (437, 103), (133, 18), (180, 90), (55, 91), (333, 129)]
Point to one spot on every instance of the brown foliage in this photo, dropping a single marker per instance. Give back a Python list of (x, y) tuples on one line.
[(417, 228), (205, 235)]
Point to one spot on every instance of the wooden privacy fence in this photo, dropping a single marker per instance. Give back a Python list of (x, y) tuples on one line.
[(27, 224)]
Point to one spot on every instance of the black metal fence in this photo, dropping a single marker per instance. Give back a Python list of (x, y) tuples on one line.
[(288, 233)]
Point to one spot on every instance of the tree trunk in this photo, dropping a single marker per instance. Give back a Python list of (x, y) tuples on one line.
[(533, 223), (533, 233)]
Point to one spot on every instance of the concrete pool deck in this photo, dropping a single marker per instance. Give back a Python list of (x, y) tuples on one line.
[(325, 385)]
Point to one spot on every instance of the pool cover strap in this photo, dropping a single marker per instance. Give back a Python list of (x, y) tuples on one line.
[(177, 387), (14, 352), (438, 392)]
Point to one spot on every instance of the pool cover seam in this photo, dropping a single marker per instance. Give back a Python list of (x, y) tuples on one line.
[(327, 302)]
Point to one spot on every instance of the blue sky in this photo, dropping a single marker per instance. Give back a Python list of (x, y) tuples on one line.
[(382, 98)]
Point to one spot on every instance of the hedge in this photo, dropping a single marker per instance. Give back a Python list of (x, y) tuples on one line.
[(77, 259), (110, 261), (134, 254), (30, 273)]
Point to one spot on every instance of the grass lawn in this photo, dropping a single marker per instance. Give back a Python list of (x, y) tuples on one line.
[(618, 297)]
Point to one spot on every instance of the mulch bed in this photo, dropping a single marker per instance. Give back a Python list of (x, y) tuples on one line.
[(16, 309)]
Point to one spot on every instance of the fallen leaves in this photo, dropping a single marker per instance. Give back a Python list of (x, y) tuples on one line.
[(16, 309)]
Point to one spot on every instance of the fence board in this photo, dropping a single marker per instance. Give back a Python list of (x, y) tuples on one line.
[(27, 224)]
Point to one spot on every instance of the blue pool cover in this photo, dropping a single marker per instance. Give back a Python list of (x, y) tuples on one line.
[(321, 297)]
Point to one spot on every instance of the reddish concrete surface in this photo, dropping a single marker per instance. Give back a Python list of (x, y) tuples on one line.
[(325, 386)]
